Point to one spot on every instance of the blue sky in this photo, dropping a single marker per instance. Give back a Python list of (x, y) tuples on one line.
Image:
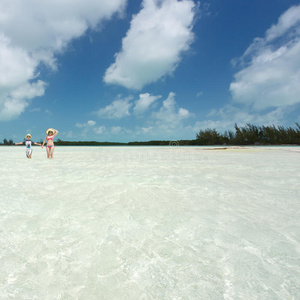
[(123, 71)]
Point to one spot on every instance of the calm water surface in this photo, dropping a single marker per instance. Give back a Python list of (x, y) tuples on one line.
[(150, 223)]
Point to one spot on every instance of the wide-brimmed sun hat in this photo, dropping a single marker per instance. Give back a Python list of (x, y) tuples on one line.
[(28, 135), (50, 130)]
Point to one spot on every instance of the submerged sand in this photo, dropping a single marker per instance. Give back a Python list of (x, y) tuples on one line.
[(150, 223)]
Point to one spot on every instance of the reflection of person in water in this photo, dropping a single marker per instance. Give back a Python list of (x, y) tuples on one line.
[(28, 143), (51, 133)]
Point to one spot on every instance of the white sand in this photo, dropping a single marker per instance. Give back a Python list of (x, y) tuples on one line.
[(150, 223)]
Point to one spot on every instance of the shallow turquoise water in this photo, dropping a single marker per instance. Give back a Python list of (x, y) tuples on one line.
[(150, 223)]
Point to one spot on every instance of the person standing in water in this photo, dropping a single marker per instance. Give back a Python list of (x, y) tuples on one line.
[(28, 143), (51, 133)]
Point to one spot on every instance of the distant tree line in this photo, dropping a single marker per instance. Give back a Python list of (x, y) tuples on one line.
[(247, 135), (251, 135), (87, 143), (7, 142)]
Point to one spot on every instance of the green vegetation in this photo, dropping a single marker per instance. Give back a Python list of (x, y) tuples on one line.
[(247, 135), (251, 135), (87, 143), (7, 143)]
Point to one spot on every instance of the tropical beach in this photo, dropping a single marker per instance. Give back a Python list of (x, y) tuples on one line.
[(149, 150), (150, 223)]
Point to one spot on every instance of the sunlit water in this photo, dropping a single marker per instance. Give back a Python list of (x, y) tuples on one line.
[(150, 223)]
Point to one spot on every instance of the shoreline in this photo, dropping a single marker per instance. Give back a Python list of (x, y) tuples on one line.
[(99, 144)]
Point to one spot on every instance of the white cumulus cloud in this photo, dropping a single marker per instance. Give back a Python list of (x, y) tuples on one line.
[(100, 129), (89, 123), (154, 44), (15, 102), (169, 115), (162, 116), (144, 103), (118, 109), (33, 32), (225, 117), (271, 66), (116, 129)]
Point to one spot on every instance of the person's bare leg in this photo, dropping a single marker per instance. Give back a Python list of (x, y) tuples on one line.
[(48, 152), (51, 151)]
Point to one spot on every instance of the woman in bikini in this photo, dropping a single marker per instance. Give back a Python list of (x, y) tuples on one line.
[(51, 133)]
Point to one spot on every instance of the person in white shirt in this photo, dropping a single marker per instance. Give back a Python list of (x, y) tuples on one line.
[(28, 143)]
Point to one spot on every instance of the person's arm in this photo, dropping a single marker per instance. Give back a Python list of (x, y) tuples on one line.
[(56, 132), (19, 143), (37, 144)]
